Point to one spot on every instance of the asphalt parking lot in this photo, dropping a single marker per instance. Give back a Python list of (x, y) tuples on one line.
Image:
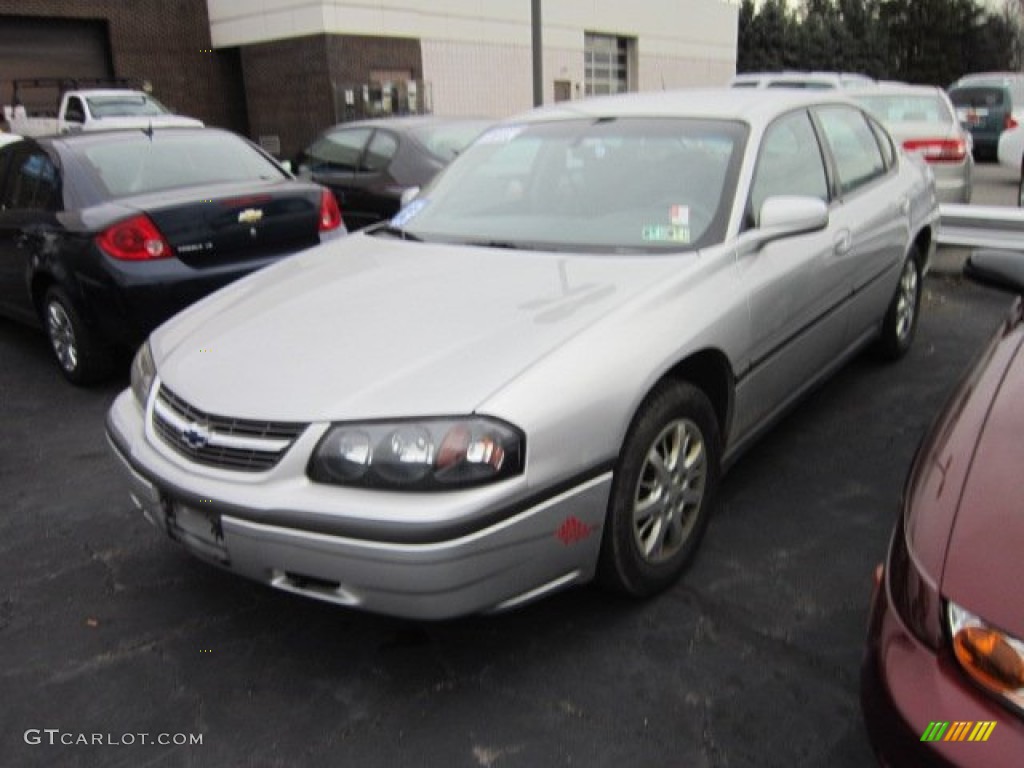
[(108, 630)]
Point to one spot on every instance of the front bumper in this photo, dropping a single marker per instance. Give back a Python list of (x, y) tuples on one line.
[(279, 528), (906, 686)]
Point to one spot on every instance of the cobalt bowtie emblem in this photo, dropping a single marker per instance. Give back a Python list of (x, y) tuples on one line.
[(195, 436), (250, 216)]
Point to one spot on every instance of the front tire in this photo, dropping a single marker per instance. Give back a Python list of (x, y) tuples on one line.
[(663, 491), (900, 324), (80, 356)]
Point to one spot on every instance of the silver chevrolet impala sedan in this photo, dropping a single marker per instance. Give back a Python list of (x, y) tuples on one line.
[(534, 375)]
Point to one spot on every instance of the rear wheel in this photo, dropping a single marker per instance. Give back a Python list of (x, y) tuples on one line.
[(663, 491), (900, 324), (82, 359)]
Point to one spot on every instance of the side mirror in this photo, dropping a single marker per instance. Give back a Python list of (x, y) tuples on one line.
[(287, 165), (997, 269), (783, 216), (408, 195)]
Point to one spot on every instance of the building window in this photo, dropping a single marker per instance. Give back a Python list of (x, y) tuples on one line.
[(606, 63)]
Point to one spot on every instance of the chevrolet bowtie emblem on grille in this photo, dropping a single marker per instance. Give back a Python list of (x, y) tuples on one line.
[(195, 436), (250, 216)]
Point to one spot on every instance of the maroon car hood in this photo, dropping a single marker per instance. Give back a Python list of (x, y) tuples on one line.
[(984, 567)]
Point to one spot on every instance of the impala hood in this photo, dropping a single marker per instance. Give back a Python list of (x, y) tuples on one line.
[(370, 327)]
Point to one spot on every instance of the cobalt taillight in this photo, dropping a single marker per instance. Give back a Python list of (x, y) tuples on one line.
[(330, 213), (135, 239)]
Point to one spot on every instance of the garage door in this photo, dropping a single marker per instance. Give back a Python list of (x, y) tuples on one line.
[(48, 47)]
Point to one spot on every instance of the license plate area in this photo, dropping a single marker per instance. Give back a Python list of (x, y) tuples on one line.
[(971, 116), (198, 529)]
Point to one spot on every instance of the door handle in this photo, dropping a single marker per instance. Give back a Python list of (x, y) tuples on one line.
[(843, 243)]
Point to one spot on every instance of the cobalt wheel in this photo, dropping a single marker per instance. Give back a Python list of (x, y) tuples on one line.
[(663, 491), (900, 322), (81, 359)]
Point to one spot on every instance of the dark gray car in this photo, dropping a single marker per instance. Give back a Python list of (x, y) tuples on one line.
[(369, 164)]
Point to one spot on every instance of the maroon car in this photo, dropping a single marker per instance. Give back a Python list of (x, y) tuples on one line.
[(943, 676)]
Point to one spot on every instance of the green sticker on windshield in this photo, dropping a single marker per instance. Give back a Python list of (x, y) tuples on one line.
[(661, 233)]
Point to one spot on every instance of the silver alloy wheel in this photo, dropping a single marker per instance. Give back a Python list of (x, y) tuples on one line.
[(670, 490), (906, 303), (62, 336)]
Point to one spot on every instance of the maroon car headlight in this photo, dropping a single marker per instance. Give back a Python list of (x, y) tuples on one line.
[(992, 658), (418, 455)]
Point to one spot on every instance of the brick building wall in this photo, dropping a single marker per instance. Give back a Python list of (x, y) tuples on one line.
[(283, 88), (166, 42), (290, 84)]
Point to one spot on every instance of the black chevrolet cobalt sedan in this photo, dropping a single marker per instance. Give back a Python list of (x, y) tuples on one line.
[(103, 236)]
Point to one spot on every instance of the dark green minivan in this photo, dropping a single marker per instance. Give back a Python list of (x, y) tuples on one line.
[(986, 104)]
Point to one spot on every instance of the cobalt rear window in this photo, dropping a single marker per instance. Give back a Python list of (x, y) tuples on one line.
[(137, 164)]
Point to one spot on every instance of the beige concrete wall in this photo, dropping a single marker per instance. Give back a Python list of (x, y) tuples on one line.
[(477, 55)]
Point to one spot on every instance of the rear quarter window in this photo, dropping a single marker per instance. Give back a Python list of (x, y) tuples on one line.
[(854, 147)]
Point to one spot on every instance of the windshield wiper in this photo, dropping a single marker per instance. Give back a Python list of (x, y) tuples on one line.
[(507, 244), (390, 229)]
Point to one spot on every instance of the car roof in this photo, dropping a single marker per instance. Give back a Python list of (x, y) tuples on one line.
[(988, 77), (747, 105), (838, 79), (89, 93), (892, 88), (409, 122)]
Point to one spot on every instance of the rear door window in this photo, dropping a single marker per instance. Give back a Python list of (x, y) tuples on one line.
[(382, 148), (854, 148), (32, 183), (339, 151)]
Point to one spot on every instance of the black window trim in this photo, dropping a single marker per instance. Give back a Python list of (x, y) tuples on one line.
[(350, 129), (361, 168)]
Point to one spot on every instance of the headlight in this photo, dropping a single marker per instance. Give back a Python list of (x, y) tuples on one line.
[(427, 454), (994, 659), (143, 373)]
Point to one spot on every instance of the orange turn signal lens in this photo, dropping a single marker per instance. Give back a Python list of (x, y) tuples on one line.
[(987, 656), (994, 659)]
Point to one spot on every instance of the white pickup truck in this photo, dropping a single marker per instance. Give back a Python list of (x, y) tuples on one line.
[(90, 109)]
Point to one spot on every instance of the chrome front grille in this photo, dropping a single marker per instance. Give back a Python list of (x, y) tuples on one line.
[(218, 441)]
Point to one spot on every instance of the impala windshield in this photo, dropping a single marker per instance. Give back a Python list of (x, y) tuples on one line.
[(623, 184)]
